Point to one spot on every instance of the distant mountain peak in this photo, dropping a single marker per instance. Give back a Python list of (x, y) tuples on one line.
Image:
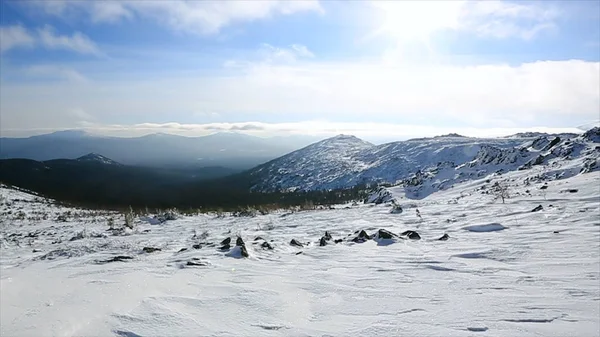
[(74, 133), (344, 139), (451, 135), (94, 157)]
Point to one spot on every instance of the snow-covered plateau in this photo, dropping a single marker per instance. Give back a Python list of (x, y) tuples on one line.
[(504, 270)]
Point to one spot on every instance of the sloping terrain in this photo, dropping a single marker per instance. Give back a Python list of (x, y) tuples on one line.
[(504, 270), (342, 161)]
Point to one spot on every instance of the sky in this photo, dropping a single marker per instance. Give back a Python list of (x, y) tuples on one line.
[(386, 70)]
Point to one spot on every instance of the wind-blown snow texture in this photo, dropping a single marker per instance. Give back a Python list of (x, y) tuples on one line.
[(439, 162), (504, 271)]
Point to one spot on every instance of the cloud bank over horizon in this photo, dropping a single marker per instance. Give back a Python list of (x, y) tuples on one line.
[(388, 69)]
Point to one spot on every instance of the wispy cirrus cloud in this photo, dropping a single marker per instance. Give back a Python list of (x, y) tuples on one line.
[(198, 17), (77, 42), (17, 36)]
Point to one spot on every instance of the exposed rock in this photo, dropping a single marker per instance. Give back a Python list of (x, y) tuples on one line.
[(556, 232), (362, 237), (258, 238), (266, 245), (412, 235), (298, 253), (198, 246), (538, 208), (323, 242), (182, 250), (384, 234), (396, 209), (227, 241), (197, 262), (327, 236), (239, 242), (79, 236), (118, 258), (36, 251), (444, 237), (338, 240), (243, 251), (296, 243), (544, 187), (151, 249), (382, 195), (570, 190)]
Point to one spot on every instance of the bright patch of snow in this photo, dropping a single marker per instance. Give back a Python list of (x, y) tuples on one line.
[(493, 227)]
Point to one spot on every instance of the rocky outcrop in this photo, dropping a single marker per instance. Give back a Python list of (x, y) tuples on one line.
[(411, 235), (296, 243), (538, 208), (444, 237), (361, 237), (151, 249)]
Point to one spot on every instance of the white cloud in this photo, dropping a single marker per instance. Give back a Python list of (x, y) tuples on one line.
[(545, 93), (199, 17), (15, 37), (18, 36), (418, 20), (109, 11), (78, 42)]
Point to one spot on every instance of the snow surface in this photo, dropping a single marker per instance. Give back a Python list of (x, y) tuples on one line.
[(440, 162), (539, 276)]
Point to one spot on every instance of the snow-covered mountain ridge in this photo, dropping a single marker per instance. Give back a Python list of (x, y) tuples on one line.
[(346, 161)]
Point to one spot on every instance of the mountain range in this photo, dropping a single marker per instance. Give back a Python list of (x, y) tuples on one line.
[(345, 161), (231, 150), (320, 170)]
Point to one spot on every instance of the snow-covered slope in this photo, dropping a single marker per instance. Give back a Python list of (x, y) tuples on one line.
[(503, 271), (325, 164), (94, 157), (447, 159)]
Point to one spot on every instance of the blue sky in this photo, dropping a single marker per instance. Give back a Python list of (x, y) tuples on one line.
[(379, 70)]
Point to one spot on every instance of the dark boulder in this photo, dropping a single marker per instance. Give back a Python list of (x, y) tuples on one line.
[(227, 241), (323, 242), (239, 242), (296, 243), (362, 237), (196, 262), (243, 251), (384, 234), (266, 245), (197, 246), (538, 208), (412, 235), (258, 238), (338, 240), (327, 236), (444, 237), (182, 250), (298, 253), (151, 249), (119, 258)]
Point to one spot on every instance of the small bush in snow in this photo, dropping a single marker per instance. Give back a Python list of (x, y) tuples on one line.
[(129, 219), (500, 191)]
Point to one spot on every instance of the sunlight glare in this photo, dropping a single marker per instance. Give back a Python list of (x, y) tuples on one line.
[(417, 20)]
